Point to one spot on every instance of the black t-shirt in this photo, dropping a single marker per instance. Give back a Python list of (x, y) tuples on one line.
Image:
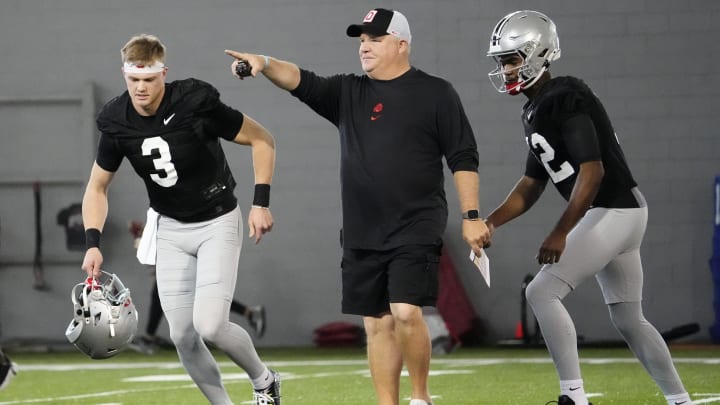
[(70, 218), (176, 152), (566, 125), (393, 136)]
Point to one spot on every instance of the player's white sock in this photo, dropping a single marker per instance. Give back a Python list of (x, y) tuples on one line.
[(263, 381), (575, 390), (418, 402), (679, 399)]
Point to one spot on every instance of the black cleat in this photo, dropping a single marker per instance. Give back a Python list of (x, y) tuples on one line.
[(564, 400), (271, 394), (7, 371)]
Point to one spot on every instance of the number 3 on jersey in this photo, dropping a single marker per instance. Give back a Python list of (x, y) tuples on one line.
[(547, 156), (163, 164)]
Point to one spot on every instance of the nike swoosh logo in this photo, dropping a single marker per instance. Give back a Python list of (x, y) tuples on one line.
[(574, 389), (166, 120), (374, 117), (680, 403)]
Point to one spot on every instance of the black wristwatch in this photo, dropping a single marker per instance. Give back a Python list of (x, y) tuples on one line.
[(472, 215)]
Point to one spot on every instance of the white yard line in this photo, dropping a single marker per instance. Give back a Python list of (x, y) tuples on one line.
[(444, 361)]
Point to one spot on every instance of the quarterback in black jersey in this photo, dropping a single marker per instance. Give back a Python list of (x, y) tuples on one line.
[(396, 124), (573, 144), (170, 133)]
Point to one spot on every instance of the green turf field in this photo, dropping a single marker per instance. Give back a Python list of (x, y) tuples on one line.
[(340, 376)]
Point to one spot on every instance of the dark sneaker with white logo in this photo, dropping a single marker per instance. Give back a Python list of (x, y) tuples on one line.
[(564, 400), (7, 371), (271, 394)]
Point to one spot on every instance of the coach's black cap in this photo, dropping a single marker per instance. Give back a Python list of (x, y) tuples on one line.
[(381, 21)]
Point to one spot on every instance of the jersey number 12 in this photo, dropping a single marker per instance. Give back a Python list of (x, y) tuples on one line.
[(566, 170)]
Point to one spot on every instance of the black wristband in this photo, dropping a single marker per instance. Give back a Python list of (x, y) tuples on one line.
[(262, 195), (92, 238)]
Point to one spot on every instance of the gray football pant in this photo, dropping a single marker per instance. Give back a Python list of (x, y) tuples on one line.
[(604, 244), (196, 269)]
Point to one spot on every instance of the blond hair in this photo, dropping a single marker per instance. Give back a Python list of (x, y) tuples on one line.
[(143, 48)]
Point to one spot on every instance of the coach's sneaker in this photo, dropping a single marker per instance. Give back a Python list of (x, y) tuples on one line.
[(271, 394), (144, 344), (7, 371), (564, 400), (256, 318)]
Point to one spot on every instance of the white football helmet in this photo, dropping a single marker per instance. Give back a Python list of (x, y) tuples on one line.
[(532, 36), (105, 319)]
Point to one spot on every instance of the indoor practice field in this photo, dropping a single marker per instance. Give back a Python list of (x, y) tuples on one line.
[(340, 376)]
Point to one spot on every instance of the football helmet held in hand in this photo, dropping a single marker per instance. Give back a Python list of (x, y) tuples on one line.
[(532, 36), (105, 319)]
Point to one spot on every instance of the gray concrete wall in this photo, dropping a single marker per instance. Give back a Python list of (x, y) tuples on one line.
[(654, 63)]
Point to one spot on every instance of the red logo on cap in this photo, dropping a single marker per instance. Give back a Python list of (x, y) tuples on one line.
[(369, 17)]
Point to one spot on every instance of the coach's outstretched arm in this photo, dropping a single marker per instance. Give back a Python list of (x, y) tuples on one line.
[(285, 75)]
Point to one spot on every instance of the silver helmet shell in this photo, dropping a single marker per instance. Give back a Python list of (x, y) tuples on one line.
[(532, 36), (105, 319)]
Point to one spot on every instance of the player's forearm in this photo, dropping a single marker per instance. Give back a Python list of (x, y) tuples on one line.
[(521, 198), (283, 74), (586, 187), (94, 209), (95, 200), (510, 209), (263, 154)]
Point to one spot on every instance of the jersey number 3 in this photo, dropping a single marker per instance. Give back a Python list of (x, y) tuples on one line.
[(547, 156), (163, 164)]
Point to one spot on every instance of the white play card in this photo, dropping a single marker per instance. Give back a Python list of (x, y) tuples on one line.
[(482, 263)]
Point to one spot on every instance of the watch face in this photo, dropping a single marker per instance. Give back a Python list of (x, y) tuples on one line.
[(472, 214)]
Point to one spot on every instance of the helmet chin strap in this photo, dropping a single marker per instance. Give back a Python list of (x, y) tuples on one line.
[(516, 88)]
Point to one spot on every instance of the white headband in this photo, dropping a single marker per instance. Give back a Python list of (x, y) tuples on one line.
[(157, 67)]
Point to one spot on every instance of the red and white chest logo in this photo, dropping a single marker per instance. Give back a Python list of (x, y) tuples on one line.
[(369, 17)]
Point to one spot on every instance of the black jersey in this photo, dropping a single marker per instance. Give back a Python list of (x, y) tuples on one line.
[(557, 147), (393, 136), (176, 152)]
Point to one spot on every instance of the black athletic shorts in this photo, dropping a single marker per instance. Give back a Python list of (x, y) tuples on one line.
[(373, 279)]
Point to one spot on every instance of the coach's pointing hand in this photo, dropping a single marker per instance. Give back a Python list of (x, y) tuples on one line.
[(257, 62)]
